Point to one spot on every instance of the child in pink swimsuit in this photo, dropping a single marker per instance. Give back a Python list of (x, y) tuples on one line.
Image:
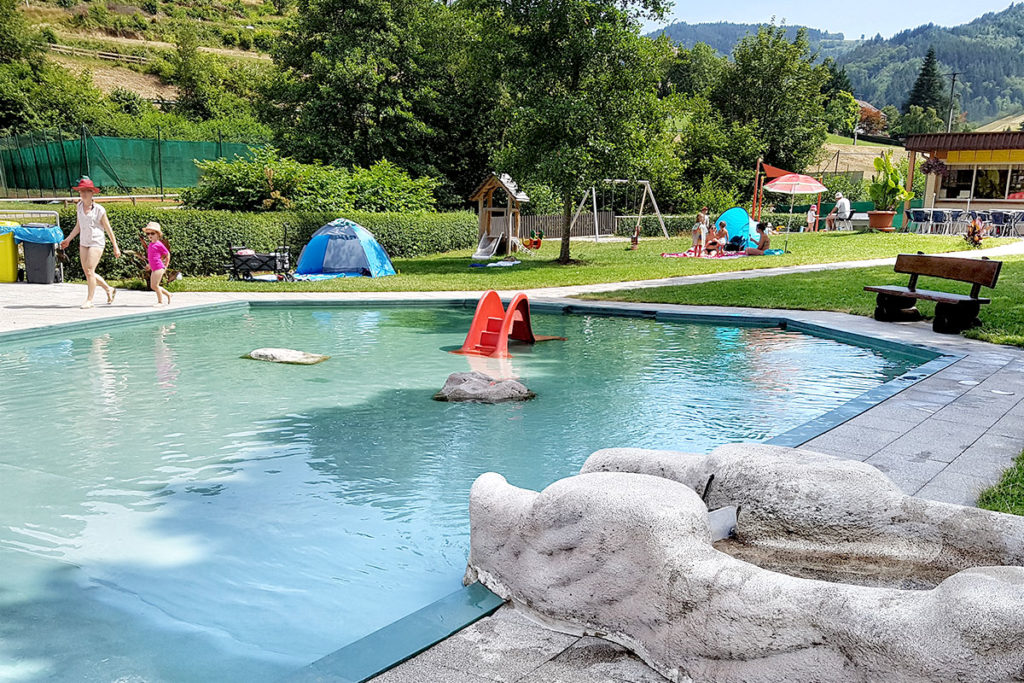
[(159, 257)]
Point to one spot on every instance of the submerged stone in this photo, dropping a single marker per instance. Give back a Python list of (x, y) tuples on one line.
[(287, 356), (476, 387)]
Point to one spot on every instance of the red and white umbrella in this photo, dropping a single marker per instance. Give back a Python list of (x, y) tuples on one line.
[(794, 184)]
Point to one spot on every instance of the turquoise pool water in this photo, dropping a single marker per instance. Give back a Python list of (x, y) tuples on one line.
[(169, 511)]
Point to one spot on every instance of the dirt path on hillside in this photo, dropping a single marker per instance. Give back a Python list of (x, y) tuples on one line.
[(161, 45), (107, 78)]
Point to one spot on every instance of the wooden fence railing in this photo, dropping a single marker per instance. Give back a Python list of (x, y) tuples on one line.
[(98, 54)]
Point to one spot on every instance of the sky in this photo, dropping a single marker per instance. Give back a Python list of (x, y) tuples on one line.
[(866, 17)]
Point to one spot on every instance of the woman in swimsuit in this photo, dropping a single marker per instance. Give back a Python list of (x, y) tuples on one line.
[(90, 227), (763, 241), (717, 239)]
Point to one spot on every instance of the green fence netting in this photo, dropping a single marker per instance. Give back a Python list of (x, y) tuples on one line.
[(38, 161)]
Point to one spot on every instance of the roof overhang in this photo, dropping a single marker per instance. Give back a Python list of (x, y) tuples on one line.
[(946, 142)]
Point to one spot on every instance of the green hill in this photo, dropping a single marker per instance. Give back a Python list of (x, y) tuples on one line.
[(724, 35)]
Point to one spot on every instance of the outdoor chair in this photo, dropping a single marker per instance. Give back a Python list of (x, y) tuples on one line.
[(920, 219), (999, 221), (941, 220), (844, 222)]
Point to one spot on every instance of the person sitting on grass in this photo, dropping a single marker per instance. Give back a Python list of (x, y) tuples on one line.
[(763, 241), (717, 239), (700, 231), (159, 257)]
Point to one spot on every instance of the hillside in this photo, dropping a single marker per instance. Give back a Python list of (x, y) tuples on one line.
[(723, 36), (988, 53)]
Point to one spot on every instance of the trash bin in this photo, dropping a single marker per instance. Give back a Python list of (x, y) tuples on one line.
[(39, 242), (8, 253)]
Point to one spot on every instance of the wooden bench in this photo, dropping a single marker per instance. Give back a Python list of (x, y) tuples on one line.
[(954, 313)]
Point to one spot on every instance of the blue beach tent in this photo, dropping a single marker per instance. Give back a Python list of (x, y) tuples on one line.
[(738, 222), (342, 249)]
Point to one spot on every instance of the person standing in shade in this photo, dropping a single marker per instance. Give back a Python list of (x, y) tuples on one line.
[(92, 227), (840, 212)]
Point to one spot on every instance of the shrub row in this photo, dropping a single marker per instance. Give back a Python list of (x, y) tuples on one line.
[(199, 239)]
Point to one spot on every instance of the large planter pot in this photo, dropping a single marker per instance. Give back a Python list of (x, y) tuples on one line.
[(881, 220)]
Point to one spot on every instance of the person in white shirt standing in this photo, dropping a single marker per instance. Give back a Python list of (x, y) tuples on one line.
[(841, 211), (92, 227)]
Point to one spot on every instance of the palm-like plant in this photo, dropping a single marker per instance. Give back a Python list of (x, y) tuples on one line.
[(887, 188)]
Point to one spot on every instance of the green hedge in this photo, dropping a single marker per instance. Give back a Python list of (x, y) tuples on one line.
[(199, 239)]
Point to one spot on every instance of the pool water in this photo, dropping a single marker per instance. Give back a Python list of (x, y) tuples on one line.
[(169, 511)]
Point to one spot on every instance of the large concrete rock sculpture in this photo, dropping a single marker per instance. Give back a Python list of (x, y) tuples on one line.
[(628, 555), (286, 356)]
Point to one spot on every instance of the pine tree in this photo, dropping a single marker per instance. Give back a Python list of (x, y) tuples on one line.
[(929, 91)]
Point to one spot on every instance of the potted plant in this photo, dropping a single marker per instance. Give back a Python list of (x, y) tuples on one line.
[(887, 191)]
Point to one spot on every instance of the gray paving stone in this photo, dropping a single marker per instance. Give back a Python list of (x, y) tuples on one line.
[(973, 415), (426, 672), (1012, 425), (593, 660), (935, 440), (503, 647), (853, 439), (908, 472), (956, 496), (957, 487)]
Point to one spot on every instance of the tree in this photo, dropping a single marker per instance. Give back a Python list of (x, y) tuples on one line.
[(18, 40), (697, 70), (838, 81), (774, 84), (918, 120), (929, 90), (842, 113), (870, 121), (580, 88), (193, 74)]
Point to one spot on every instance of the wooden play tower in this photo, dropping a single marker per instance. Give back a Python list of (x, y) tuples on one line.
[(499, 223)]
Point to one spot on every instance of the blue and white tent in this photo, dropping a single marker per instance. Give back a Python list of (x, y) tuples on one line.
[(342, 249)]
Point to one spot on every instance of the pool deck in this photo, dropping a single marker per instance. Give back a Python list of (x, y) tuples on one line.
[(946, 438)]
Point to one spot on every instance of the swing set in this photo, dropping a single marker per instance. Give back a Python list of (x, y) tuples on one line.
[(639, 190)]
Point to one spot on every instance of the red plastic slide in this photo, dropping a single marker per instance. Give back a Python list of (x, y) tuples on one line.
[(493, 326)]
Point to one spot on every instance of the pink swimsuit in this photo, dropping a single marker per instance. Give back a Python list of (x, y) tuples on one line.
[(155, 253)]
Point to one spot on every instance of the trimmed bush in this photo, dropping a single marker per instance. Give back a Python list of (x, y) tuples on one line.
[(199, 239)]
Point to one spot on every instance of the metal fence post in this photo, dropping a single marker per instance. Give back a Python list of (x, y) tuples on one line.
[(160, 160)]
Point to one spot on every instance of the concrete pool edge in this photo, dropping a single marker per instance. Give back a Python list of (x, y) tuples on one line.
[(404, 638)]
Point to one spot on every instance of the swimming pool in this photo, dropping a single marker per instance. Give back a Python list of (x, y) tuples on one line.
[(171, 512)]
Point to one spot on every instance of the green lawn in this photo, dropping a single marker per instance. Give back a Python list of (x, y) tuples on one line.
[(842, 290), (595, 263), (843, 140), (1008, 494)]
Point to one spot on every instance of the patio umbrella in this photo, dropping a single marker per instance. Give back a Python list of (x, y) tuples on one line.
[(794, 184)]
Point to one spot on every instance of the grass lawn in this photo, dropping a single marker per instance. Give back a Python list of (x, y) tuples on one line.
[(843, 140), (595, 263), (1008, 494), (842, 290)]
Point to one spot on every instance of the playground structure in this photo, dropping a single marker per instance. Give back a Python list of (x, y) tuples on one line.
[(493, 325), (644, 190), (499, 227)]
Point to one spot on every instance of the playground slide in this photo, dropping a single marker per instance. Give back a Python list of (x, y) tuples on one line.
[(493, 326), (488, 247)]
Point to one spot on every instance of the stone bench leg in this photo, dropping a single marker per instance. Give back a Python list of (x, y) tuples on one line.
[(955, 318), (894, 308)]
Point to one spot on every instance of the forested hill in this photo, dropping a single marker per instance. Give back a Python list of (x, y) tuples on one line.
[(988, 52), (723, 36)]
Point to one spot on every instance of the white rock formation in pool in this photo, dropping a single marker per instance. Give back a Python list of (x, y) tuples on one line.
[(287, 356), (833, 575), (476, 387)]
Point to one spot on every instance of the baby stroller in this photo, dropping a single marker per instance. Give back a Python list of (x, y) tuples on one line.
[(244, 262)]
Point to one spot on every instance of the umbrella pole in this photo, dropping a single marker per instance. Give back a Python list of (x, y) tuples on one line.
[(789, 221)]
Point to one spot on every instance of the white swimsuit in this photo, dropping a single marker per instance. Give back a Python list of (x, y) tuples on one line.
[(90, 226)]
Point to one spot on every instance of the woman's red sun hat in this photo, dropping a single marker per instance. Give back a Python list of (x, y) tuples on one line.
[(85, 184)]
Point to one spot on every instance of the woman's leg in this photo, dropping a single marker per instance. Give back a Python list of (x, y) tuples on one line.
[(154, 283), (90, 258)]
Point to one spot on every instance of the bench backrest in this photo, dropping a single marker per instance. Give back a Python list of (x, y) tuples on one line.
[(979, 272)]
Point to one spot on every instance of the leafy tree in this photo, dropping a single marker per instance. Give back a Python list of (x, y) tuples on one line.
[(929, 88), (892, 119), (870, 121), (918, 120), (696, 71), (362, 80), (580, 88), (193, 74), (842, 112), (18, 40), (775, 84), (838, 80)]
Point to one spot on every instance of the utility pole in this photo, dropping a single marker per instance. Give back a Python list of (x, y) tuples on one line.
[(952, 84)]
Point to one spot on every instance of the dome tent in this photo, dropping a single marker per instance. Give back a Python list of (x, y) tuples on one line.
[(342, 248), (738, 223)]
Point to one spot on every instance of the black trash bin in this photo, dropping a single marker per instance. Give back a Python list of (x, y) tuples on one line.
[(40, 259)]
